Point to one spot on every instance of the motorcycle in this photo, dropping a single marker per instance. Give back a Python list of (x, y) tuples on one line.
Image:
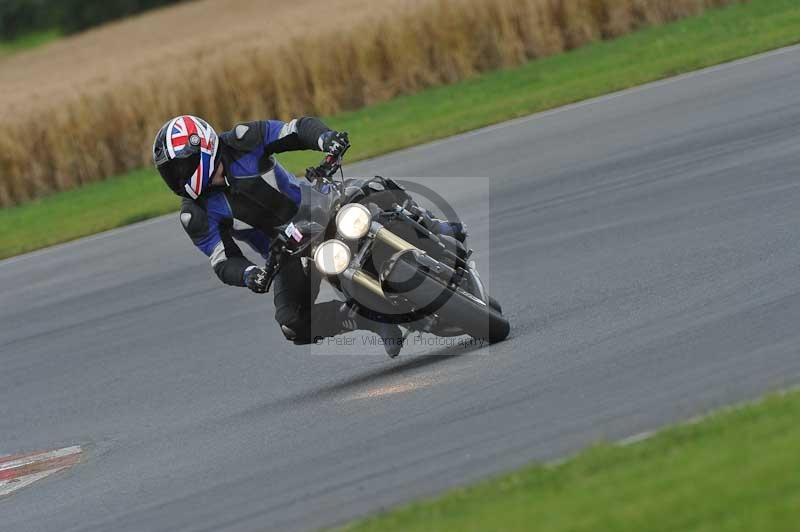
[(377, 247)]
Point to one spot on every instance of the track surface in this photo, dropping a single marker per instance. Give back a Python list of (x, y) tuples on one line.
[(644, 245)]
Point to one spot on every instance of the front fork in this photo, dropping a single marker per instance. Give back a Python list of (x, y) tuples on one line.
[(381, 234)]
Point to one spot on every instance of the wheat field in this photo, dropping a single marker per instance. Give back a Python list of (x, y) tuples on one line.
[(86, 108)]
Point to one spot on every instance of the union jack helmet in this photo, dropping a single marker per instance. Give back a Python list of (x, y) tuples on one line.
[(185, 153)]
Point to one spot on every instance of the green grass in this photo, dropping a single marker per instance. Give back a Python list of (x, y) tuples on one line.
[(27, 41), (719, 35), (84, 211), (738, 470)]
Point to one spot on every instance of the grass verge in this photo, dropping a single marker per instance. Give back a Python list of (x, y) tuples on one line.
[(735, 471), (717, 36), (27, 41)]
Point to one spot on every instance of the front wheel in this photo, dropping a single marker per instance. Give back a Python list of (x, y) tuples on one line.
[(482, 322), (453, 306)]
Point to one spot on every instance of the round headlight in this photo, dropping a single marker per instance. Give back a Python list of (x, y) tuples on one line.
[(353, 221), (332, 257)]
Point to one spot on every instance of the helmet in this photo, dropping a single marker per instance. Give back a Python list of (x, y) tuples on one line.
[(184, 153)]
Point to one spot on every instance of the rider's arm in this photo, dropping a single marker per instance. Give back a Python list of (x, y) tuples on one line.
[(299, 134), (232, 268), (268, 137), (213, 237)]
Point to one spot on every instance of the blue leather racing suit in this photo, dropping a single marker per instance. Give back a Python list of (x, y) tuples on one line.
[(259, 196)]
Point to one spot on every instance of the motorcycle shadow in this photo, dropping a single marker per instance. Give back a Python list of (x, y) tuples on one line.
[(400, 367)]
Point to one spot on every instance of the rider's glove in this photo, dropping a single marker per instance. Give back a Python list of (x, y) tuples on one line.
[(334, 142), (256, 279)]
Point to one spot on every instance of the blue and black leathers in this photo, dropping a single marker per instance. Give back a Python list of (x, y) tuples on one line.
[(260, 194)]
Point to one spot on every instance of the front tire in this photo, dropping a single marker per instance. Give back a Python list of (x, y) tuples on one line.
[(480, 322), (453, 306)]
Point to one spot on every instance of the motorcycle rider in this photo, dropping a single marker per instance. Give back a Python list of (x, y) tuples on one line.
[(233, 188)]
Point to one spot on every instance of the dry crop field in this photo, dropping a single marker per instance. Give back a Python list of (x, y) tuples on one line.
[(85, 108)]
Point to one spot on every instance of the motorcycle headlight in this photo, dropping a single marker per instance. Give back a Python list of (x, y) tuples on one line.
[(332, 257), (353, 221)]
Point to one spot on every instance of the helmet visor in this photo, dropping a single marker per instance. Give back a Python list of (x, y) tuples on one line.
[(177, 172)]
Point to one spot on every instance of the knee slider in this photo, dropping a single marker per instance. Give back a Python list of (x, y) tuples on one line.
[(295, 328), (288, 333)]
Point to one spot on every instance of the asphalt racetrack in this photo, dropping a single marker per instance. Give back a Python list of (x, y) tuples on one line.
[(645, 246)]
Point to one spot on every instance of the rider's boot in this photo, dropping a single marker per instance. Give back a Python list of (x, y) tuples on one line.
[(457, 230), (391, 335)]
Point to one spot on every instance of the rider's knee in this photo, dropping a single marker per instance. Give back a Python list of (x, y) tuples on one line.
[(294, 326), (295, 337)]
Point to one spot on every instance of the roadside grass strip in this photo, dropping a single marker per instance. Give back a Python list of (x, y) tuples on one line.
[(28, 41), (735, 470)]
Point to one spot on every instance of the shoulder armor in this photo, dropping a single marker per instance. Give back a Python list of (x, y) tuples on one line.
[(194, 219), (245, 136)]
